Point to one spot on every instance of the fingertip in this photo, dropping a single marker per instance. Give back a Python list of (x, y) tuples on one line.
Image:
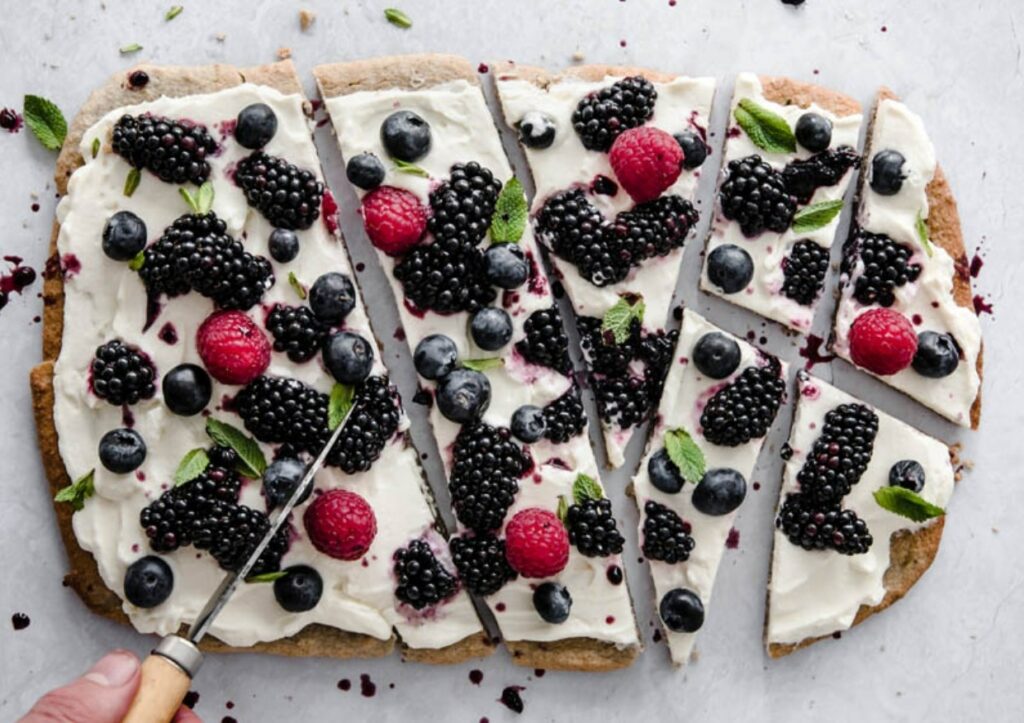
[(115, 669)]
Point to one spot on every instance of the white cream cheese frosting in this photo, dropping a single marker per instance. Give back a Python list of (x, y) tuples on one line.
[(927, 301), (768, 250), (814, 593), (462, 130), (105, 300), (687, 390), (682, 104)]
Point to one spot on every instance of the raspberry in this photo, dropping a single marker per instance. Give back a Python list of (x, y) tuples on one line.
[(394, 219), (340, 524), (536, 543), (463, 205), (122, 374), (882, 341), (480, 560), (233, 348), (175, 151), (297, 331), (646, 162), (602, 115), (287, 196), (422, 579)]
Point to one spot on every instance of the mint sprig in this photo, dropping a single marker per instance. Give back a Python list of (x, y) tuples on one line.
[(297, 286), (251, 462), (266, 576), (586, 488), (397, 18), (131, 181), (510, 210), (906, 503), (410, 168), (45, 121), (129, 49), (767, 130), (78, 491), (922, 235), (193, 464), (95, 147), (685, 454), (341, 399), (138, 261), (174, 12), (482, 365), (619, 318), (817, 215), (201, 202)]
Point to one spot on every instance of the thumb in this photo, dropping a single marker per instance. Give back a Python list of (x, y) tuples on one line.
[(102, 695)]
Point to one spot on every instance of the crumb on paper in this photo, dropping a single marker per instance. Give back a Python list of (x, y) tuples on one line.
[(284, 53), (694, 655), (306, 19), (578, 56), (221, 37)]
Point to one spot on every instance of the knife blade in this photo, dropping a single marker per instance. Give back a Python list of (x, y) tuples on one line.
[(170, 667)]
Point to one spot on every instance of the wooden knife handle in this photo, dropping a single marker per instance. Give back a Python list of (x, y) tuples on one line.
[(161, 691)]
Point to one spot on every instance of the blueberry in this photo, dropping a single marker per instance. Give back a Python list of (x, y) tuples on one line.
[(536, 129), (907, 473), (528, 423), (187, 389), (937, 355), (365, 171), (299, 589), (695, 150), (405, 135), (491, 328), (148, 582), (716, 355), (284, 245), (663, 473), (814, 132), (435, 356), (124, 236), (681, 611), (730, 268), (719, 492), (122, 450), (332, 297), (255, 126), (348, 357), (505, 266), (464, 395), (281, 478), (887, 172), (553, 602)]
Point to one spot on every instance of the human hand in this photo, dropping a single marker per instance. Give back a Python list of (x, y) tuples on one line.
[(102, 695)]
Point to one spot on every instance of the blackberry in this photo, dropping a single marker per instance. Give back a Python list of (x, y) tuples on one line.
[(657, 226), (464, 204), (603, 354), (886, 267), (546, 343), (223, 457), (287, 196), (564, 418), (296, 331), (159, 272), (592, 528), (666, 536), (803, 177), (175, 151), (445, 276), (484, 477), (804, 272), (656, 351), (755, 195), (422, 580), (577, 232), (604, 114), (840, 454), (813, 528), (279, 409), (622, 401), (122, 374), (371, 424), (480, 560), (237, 533), (744, 409), (189, 512)]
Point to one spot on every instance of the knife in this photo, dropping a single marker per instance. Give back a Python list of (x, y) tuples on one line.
[(168, 671)]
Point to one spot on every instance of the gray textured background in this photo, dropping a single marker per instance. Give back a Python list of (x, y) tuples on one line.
[(950, 651)]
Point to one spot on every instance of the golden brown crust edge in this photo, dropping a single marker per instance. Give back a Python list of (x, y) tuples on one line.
[(510, 70), (83, 576), (412, 72), (786, 91)]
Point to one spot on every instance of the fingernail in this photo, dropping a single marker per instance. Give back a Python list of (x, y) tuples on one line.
[(114, 669)]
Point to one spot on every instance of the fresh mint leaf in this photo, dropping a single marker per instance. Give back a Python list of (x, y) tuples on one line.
[(922, 234), (340, 402), (619, 318), (296, 285), (174, 12), (131, 182), (815, 216), (510, 211), (397, 18), (78, 491), (410, 168), (482, 365), (562, 511), (137, 263), (768, 131), (193, 464), (585, 488), (251, 462), (685, 454), (95, 147), (906, 503), (266, 577), (46, 121), (129, 49)]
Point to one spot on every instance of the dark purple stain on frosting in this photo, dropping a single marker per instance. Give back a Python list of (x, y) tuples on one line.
[(733, 540), (168, 334)]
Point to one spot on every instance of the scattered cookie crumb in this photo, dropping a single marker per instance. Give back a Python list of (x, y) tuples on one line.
[(221, 37), (694, 655), (578, 56), (284, 53), (306, 19)]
